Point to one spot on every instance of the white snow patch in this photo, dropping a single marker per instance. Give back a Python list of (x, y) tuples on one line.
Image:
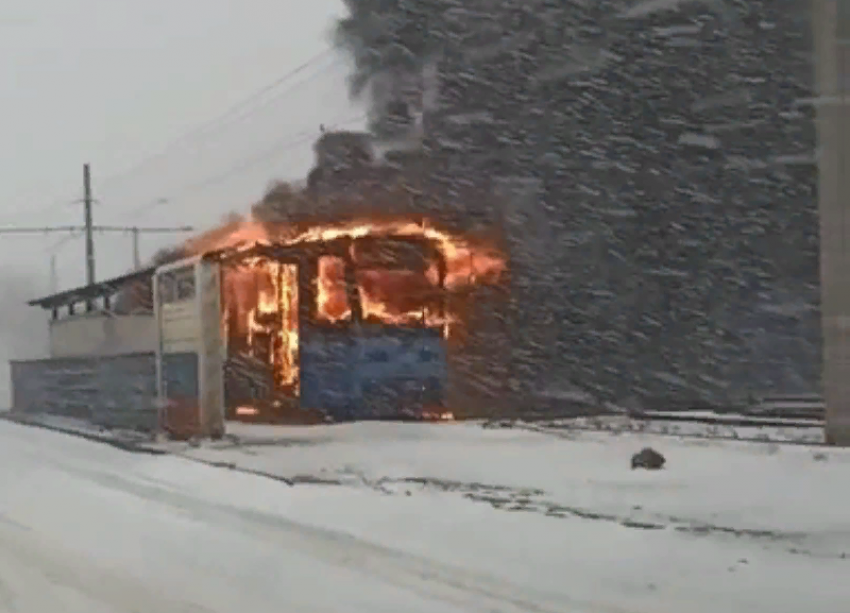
[(466, 453)]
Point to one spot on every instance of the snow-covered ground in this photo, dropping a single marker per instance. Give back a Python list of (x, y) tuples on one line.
[(806, 432), (729, 524), (448, 517)]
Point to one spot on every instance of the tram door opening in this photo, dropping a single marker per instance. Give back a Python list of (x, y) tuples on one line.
[(260, 325)]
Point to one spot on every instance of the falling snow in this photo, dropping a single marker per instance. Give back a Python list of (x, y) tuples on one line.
[(672, 145)]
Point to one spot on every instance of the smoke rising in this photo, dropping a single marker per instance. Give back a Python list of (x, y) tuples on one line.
[(23, 329)]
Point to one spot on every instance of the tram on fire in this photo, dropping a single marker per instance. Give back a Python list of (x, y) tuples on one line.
[(347, 328)]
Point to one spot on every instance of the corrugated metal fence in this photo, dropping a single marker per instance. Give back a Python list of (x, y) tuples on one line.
[(115, 391)]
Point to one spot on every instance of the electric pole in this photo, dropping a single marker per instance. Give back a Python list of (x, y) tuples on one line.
[(137, 261), (54, 276), (134, 230), (831, 20), (89, 229), (87, 202)]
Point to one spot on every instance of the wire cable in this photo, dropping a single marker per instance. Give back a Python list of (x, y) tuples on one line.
[(210, 125), (279, 147), (53, 249)]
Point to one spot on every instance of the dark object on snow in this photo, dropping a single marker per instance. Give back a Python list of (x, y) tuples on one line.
[(649, 459)]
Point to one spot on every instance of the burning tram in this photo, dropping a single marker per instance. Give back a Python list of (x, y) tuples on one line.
[(357, 320), (354, 327)]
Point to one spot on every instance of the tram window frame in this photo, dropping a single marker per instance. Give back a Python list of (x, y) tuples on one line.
[(177, 286), (316, 282), (185, 287), (166, 288)]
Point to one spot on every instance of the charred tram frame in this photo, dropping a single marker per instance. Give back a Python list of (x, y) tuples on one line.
[(354, 368)]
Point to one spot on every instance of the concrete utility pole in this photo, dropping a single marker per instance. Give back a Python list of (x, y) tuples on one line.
[(135, 231), (831, 23), (54, 276), (87, 202), (89, 229), (137, 260)]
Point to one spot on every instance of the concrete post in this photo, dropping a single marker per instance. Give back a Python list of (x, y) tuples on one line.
[(831, 23)]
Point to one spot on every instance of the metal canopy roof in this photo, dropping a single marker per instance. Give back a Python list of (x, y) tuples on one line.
[(91, 292)]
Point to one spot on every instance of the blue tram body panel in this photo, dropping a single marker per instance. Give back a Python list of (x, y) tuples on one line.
[(382, 372)]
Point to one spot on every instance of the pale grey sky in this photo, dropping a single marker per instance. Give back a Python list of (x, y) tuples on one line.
[(113, 82)]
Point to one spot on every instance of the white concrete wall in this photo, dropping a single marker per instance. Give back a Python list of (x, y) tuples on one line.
[(23, 329), (97, 334)]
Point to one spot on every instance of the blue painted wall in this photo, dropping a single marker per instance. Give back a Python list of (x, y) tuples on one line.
[(383, 373)]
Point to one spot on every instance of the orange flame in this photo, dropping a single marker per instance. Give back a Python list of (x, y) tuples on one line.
[(260, 297)]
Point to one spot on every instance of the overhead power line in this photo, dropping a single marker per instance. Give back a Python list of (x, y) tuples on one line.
[(58, 244), (76, 231), (88, 230), (210, 125), (207, 126), (94, 228), (244, 164)]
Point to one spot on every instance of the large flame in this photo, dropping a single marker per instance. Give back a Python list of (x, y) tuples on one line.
[(260, 298)]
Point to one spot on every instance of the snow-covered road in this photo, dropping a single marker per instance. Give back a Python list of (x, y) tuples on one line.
[(88, 528), (85, 527)]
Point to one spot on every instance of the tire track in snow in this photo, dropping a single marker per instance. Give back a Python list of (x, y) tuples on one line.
[(470, 590), (34, 569)]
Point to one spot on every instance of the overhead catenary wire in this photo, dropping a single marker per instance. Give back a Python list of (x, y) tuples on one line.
[(238, 112), (242, 165), (54, 205), (95, 228), (279, 147), (230, 116), (237, 118), (78, 231)]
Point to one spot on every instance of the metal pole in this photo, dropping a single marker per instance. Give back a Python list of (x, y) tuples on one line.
[(137, 261), (54, 276), (87, 202), (831, 23)]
